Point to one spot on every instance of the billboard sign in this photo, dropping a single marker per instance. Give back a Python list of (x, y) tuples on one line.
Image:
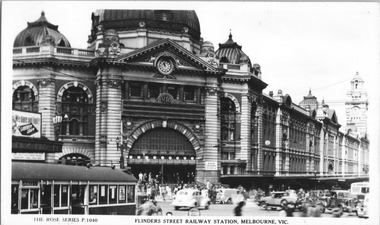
[(26, 124)]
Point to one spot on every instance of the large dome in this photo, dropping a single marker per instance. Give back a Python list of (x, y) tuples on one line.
[(309, 102), (230, 52), (40, 31), (174, 21)]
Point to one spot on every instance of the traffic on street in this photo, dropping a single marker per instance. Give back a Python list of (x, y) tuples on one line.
[(192, 201)]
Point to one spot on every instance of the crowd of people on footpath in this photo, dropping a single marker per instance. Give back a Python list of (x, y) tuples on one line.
[(152, 187)]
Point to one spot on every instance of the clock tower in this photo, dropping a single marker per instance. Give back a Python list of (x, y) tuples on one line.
[(357, 106)]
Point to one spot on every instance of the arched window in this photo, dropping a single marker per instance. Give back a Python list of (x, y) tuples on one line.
[(61, 43), (74, 159), (228, 118), (24, 99), (28, 41), (224, 60), (74, 127), (75, 105)]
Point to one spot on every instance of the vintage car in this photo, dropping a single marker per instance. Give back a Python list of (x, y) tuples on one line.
[(362, 207), (229, 196), (340, 200), (190, 198), (277, 199)]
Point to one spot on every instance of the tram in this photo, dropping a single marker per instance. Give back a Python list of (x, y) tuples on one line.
[(41, 188)]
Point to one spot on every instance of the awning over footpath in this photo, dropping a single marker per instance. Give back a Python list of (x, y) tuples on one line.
[(59, 172)]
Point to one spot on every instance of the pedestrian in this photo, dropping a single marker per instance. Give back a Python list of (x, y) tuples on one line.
[(168, 192), (287, 210), (149, 208), (163, 192), (238, 209)]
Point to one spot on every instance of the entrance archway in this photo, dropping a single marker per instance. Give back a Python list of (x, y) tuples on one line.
[(164, 153)]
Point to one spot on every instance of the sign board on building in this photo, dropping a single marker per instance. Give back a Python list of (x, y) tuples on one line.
[(26, 124), (28, 156), (211, 165)]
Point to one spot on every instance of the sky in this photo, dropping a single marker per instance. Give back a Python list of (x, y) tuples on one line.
[(299, 45)]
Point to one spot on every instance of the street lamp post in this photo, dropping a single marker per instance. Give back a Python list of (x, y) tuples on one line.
[(57, 120), (121, 147)]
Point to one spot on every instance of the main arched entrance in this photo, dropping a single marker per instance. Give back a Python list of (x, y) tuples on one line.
[(165, 153)]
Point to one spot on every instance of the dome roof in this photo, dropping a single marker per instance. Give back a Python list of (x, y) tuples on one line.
[(176, 21), (309, 102), (40, 31), (230, 52)]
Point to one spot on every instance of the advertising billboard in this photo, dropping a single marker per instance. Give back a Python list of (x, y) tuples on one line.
[(26, 124)]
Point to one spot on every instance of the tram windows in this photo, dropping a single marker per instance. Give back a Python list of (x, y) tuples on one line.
[(131, 194), (24, 199), (93, 194), (56, 195), (103, 194), (77, 195), (14, 198), (122, 194), (112, 192), (60, 195), (46, 196), (33, 198), (29, 199)]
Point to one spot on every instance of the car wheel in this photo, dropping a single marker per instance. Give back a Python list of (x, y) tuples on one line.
[(229, 201), (207, 206), (264, 205), (284, 203), (340, 212)]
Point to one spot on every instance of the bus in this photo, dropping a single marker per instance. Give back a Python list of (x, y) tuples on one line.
[(42, 188), (359, 189)]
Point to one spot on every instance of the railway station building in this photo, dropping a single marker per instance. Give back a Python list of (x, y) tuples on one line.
[(149, 94)]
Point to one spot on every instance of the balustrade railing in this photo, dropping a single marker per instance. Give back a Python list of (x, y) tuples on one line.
[(56, 50)]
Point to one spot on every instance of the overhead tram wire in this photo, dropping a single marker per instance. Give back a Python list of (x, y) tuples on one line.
[(323, 87)]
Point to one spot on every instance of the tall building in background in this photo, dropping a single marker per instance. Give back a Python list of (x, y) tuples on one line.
[(357, 107)]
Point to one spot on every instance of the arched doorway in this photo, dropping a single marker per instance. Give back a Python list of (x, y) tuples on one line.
[(74, 159), (164, 153)]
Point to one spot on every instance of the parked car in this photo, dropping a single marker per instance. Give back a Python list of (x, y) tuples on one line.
[(341, 200), (277, 199), (190, 198), (228, 195), (362, 207)]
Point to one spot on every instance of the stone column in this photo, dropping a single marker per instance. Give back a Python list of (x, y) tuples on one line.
[(211, 151), (260, 154), (245, 134), (278, 144), (113, 121), (46, 106)]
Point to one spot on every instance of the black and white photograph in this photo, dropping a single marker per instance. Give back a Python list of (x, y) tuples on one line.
[(190, 112)]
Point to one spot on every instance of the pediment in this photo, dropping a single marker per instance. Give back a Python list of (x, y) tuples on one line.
[(181, 57)]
